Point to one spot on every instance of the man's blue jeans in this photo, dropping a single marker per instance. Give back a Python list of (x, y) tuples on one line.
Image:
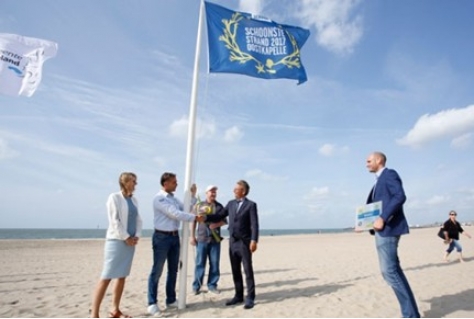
[(205, 251), (165, 248), (454, 244), (387, 249)]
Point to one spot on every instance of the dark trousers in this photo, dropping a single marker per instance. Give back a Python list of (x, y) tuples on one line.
[(239, 252), (165, 249)]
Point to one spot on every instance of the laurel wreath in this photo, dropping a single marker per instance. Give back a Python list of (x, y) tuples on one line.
[(236, 54)]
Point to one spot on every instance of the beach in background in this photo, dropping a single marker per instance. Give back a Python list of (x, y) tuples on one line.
[(306, 275), (44, 233)]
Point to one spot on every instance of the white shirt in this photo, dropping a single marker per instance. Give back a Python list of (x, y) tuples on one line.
[(378, 173), (169, 211)]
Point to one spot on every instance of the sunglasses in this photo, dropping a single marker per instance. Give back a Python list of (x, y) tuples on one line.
[(452, 214)]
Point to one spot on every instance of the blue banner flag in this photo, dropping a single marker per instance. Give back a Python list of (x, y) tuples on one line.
[(242, 43)]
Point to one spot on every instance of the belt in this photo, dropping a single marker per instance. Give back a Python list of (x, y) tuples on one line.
[(169, 233)]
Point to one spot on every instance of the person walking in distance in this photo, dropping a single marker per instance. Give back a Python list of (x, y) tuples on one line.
[(452, 228)]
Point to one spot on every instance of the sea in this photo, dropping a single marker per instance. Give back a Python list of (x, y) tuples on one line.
[(43, 233)]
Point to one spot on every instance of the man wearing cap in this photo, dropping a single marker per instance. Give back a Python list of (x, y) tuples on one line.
[(208, 244)]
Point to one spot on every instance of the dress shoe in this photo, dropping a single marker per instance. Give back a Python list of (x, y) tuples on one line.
[(234, 301), (248, 304)]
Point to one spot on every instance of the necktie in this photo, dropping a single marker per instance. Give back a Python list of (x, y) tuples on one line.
[(239, 204)]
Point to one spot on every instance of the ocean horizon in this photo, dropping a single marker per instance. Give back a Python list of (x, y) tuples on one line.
[(59, 233)]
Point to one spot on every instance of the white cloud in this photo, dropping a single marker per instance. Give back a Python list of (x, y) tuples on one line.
[(327, 149), (51, 147), (437, 200), (446, 123), (317, 193), (6, 151), (338, 30), (462, 142), (254, 7), (332, 149), (166, 59), (316, 199), (233, 134), (179, 128), (160, 161), (265, 176), (205, 128)]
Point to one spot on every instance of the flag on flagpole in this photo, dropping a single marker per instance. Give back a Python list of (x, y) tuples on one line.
[(242, 43), (21, 62)]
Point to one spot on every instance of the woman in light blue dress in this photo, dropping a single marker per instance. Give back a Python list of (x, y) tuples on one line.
[(125, 226)]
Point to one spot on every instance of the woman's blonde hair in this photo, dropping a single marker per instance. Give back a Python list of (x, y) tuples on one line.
[(124, 178)]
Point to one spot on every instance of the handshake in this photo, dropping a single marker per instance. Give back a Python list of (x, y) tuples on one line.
[(201, 212), (203, 209)]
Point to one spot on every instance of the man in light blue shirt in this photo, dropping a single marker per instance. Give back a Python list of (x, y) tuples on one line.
[(168, 212)]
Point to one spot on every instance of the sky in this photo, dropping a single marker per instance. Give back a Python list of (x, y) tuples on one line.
[(395, 76)]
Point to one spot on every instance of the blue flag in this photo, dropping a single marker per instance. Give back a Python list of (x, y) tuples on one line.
[(254, 46)]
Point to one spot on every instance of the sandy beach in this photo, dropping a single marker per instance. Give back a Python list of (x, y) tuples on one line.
[(323, 275)]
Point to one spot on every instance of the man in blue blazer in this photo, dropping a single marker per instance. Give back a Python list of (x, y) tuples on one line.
[(388, 228), (244, 232)]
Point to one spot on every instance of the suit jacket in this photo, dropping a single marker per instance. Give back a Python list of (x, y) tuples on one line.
[(243, 224), (389, 190)]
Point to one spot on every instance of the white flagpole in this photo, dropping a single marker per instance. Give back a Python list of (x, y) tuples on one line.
[(189, 156)]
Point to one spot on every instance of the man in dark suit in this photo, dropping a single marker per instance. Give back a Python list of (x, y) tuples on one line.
[(243, 231), (388, 228)]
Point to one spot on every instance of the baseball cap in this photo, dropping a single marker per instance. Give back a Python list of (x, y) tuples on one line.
[(211, 187)]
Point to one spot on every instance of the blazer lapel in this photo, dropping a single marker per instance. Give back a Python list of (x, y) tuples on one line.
[(242, 207), (369, 198), (235, 207)]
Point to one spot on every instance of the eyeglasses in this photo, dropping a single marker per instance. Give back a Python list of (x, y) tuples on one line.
[(452, 214)]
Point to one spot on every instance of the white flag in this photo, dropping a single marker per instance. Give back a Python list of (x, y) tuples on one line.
[(21, 62)]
